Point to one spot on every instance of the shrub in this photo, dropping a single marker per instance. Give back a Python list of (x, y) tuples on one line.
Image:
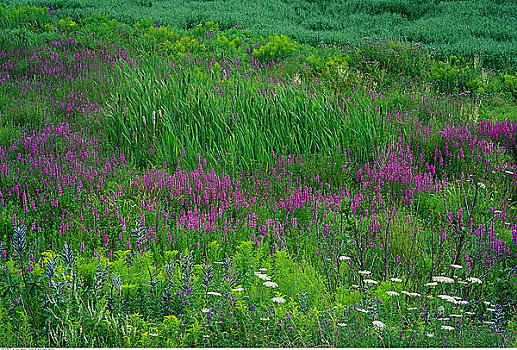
[(276, 47)]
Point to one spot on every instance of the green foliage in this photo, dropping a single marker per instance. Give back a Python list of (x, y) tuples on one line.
[(453, 76), (276, 47), (510, 86)]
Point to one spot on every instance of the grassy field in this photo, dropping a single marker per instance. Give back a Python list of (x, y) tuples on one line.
[(220, 186)]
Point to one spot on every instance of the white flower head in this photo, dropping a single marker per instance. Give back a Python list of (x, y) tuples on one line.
[(430, 335), (447, 328), (264, 318), (474, 280), (214, 293), (346, 258), (205, 310), (341, 324), (262, 269), (364, 272), (395, 279), (488, 322), (362, 310), (443, 279), (431, 284), (239, 289), (392, 293), (456, 266), (270, 284), (378, 325), (278, 300), (456, 315), (369, 281)]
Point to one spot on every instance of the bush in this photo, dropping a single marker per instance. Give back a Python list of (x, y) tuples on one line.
[(276, 47)]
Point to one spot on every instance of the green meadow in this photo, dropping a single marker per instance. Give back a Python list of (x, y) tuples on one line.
[(271, 174)]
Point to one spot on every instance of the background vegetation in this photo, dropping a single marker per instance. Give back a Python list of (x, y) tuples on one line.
[(450, 27)]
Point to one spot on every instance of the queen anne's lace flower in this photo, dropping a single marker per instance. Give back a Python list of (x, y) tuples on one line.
[(270, 284), (447, 328), (474, 280), (368, 281), (278, 300), (443, 279), (379, 325), (392, 293)]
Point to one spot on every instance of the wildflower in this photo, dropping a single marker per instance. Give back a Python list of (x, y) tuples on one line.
[(214, 293), (344, 258), (447, 328), (218, 262), (412, 308), (489, 309), (405, 292), (456, 266), (509, 172), (441, 309), (443, 279), (470, 313), (414, 294), (206, 336), (278, 300), (430, 297), (444, 319), (369, 281), (431, 284), (262, 276), (482, 185), (430, 335), (487, 303), (462, 282), (270, 284), (365, 272), (340, 324), (394, 279), (355, 286), (205, 310), (262, 269), (239, 289), (462, 302), (379, 325), (474, 280), (392, 293), (264, 318), (362, 310), (488, 322), (456, 315)]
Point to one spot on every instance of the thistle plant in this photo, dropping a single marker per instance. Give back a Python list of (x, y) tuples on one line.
[(19, 241), (208, 276), (67, 256), (139, 233)]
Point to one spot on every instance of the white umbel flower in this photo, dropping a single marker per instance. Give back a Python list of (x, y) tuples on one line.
[(214, 293), (270, 284), (205, 310), (474, 280), (369, 281), (392, 293), (278, 300), (447, 328), (395, 279), (364, 272), (443, 279), (342, 257), (456, 266), (378, 325), (238, 289)]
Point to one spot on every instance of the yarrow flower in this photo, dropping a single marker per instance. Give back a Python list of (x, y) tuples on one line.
[(262, 276), (392, 293), (394, 279), (262, 269), (378, 325), (340, 324), (369, 281), (443, 279), (205, 310), (431, 284), (430, 335), (456, 266), (447, 328), (214, 293), (239, 289), (362, 310), (364, 272), (474, 280), (264, 318), (344, 258), (270, 284), (456, 315), (278, 300)]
